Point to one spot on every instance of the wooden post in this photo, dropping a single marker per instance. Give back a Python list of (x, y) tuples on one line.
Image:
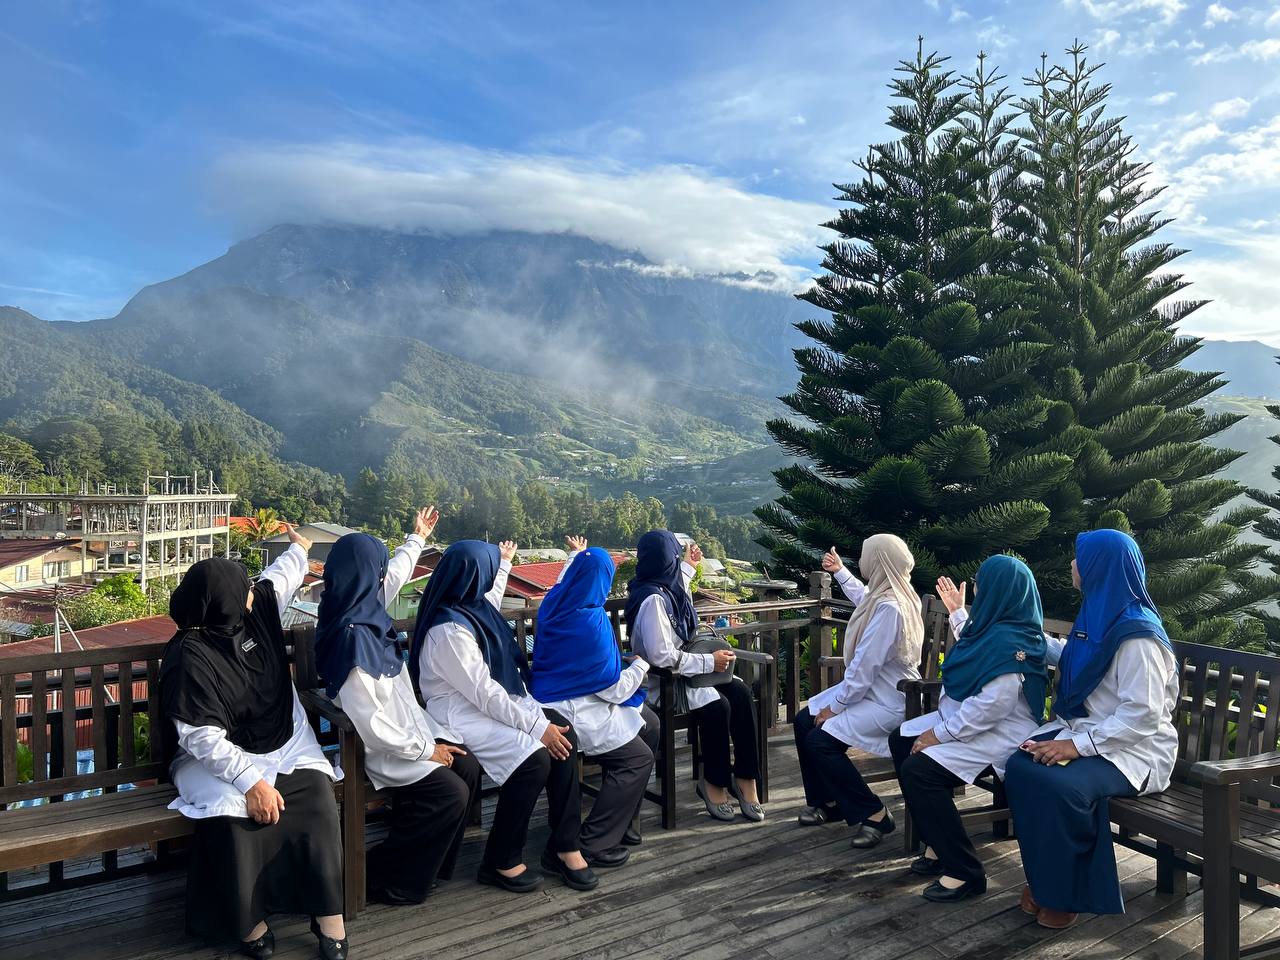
[(1221, 889), (819, 644)]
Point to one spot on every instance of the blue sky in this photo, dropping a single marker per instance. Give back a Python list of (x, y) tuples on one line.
[(143, 138)]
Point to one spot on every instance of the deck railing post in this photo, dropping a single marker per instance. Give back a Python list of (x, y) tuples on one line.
[(819, 632)]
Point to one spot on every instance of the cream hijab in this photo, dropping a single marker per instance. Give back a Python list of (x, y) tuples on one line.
[(886, 565)]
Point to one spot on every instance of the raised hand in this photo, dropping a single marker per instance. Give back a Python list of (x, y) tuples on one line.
[(952, 597), (575, 544), (831, 561), (424, 524), (507, 550), (692, 554), (295, 537)]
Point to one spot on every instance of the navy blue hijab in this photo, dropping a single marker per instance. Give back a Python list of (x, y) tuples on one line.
[(575, 653), (1116, 607), (456, 594), (1005, 634), (659, 573), (354, 629)]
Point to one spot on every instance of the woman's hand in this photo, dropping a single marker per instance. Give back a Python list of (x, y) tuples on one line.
[(926, 739), (952, 597), (825, 714), (295, 537), (723, 660), (264, 802), (831, 561), (424, 524), (507, 550), (575, 544), (692, 554), (557, 744), (445, 752), (1051, 751)]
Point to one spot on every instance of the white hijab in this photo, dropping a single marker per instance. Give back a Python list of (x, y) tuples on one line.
[(886, 564)]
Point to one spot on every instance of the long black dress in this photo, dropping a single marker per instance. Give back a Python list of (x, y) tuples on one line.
[(227, 669)]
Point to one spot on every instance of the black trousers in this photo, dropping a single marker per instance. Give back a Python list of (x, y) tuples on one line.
[(829, 776), (731, 718), (519, 795), (927, 788), (428, 819), (624, 775)]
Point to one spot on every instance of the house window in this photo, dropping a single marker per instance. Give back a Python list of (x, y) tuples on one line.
[(55, 570), (22, 573)]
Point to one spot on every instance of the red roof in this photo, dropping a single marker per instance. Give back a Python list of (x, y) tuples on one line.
[(126, 633), (36, 605), (15, 551), (532, 581)]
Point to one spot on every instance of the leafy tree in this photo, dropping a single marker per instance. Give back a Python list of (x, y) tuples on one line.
[(70, 447), (19, 461), (1105, 301), (917, 395), (1269, 527)]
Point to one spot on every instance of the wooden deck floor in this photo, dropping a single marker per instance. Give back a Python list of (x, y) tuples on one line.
[(704, 891)]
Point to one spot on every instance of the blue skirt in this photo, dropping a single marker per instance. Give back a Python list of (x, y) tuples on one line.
[(1062, 820)]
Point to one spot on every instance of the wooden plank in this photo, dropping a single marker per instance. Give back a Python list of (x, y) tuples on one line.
[(39, 727), (124, 683), (75, 659), (67, 702), (156, 727), (8, 731), (1246, 738), (98, 701)]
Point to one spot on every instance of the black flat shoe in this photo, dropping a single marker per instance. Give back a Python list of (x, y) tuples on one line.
[(817, 816), (394, 898), (937, 893), (632, 838), (573, 879), (331, 948), (259, 949), (871, 832), (609, 858), (927, 867), (526, 882)]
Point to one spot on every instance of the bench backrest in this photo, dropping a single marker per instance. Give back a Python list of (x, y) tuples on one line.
[(55, 703)]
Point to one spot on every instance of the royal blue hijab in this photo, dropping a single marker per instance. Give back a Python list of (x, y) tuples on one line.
[(354, 629), (1116, 607), (1005, 634), (658, 573), (574, 651), (456, 594)]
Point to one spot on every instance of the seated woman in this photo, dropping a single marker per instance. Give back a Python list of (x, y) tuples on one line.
[(1112, 735), (661, 620), (246, 764), (993, 691), (431, 782), (882, 646), (473, 678), (578, 672)]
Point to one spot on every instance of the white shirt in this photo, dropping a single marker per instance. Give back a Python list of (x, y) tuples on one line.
[(599, 719), (211, 773), (469, 707), (867, 703), (399, 738), (1130, 719), (981, 730), (653, 639)]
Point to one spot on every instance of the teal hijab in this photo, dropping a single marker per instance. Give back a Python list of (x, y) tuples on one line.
[(1005, 634)]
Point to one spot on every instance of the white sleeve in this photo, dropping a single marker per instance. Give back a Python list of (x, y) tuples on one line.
[(286, 575), (565, 569), (986, 709), (1053, 649), (499, 588), (218, 755), (400, 568), (958, 620), (1141, 670), (453, 655), (689, 571), (657, 640), (359, 700), (872, 653), (852, 587), (628, 683)]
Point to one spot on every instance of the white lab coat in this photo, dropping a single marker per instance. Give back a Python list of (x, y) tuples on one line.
[(654, 640)]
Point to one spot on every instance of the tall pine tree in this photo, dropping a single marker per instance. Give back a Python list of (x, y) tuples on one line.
[(916, 398), (1269, 527), (1105, 300)]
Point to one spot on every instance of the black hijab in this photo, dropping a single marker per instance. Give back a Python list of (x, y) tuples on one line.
[(226, 666), (456, 594), (659, 572), (354, 629)]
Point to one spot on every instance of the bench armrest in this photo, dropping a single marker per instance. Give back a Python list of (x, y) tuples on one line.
[(317, 703), (751, 656), (919, 686), (1262, 766)]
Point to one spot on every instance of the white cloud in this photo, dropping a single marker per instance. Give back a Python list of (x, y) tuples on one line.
[(957, 15), (1216, 13), (1167, 10), (675, 216), (1230, 109), (1197, 137), (1267, 49), (1106, 40), (1163, 97)]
